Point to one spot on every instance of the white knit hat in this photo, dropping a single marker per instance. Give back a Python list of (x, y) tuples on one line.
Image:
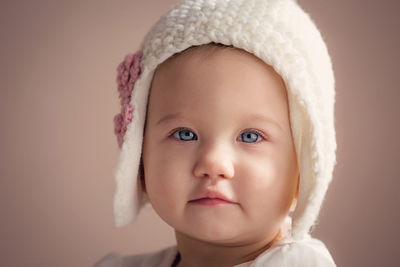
[(281, 34)]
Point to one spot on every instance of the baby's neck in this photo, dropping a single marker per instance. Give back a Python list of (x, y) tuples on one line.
[(197, 253)]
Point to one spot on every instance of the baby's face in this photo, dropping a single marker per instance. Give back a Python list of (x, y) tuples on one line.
[(220, 123)]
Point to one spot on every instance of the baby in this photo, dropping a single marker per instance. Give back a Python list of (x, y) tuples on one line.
[(226, 129)]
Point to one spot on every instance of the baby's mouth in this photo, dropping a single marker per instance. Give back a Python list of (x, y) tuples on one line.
[(211, 201), (211, 197)]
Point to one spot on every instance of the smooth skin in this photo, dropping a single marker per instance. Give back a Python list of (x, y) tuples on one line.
[(220, 121)]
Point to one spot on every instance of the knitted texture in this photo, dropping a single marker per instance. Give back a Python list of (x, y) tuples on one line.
[(128, 72), (281, 34)]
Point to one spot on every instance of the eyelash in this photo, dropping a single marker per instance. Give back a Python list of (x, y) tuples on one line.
[(247, 130)]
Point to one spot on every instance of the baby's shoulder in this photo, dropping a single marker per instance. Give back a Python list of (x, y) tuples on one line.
[(310, 252), (162, 257)]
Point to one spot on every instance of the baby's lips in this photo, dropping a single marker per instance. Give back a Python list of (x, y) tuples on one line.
[(208, 193)]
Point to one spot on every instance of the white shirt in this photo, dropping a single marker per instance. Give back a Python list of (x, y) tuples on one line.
[(309, 252)]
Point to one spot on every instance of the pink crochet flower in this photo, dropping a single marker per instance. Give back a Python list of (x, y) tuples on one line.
[(128, 72)]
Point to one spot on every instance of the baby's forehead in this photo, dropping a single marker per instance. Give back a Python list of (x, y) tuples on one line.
[(221, 81), (240, 70)]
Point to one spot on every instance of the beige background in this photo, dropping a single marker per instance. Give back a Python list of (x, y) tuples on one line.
[(58, 151)]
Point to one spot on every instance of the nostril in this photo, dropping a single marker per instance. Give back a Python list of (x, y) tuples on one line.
[(214, 167)]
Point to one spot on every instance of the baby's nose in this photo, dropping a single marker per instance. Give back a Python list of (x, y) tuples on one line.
[(215, 161)]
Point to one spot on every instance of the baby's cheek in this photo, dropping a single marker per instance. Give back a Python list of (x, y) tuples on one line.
[(260, 198), (158, 185)]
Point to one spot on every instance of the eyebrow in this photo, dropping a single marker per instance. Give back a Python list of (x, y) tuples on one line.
[(259, 117), (169, 117), (264, 118)]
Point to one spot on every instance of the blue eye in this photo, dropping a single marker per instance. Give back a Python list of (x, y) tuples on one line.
[(185, 135), (250, 136)]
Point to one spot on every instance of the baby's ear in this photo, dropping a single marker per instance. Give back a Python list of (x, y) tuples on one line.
[(294, 204), (295, 197)]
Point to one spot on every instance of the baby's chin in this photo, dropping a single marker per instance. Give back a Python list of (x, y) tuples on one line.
[(208, 238), (226, 237)]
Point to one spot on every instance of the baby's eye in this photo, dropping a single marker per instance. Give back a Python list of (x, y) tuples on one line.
[(250, 136), (185, 135)]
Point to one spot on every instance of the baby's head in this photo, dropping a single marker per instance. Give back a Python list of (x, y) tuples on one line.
[(218, 123), (241, 104)]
